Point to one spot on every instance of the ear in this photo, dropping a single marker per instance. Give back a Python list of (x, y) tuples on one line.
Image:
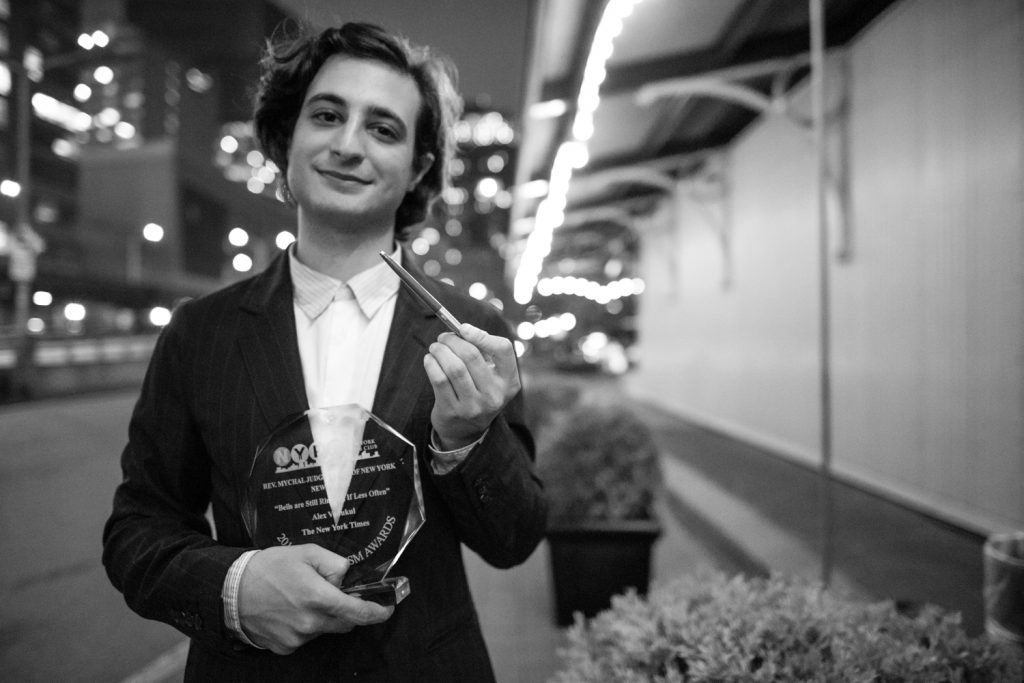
[(422, 166)]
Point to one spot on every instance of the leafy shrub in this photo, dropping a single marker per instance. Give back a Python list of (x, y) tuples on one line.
[(599, 461), (547, 398), (709, 627)]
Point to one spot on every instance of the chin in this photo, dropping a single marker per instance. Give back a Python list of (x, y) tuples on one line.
[(353, 218)]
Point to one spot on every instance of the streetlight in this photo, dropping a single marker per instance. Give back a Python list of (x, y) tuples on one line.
[(238, 237), (151, 232)]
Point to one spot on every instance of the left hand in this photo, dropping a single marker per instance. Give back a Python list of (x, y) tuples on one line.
[(473, 378)]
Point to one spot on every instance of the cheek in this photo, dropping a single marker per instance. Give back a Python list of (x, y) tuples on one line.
[(289, 175), (293, 165), (299, 144)]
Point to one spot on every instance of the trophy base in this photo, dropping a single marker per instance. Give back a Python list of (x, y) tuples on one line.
[(387, 592)]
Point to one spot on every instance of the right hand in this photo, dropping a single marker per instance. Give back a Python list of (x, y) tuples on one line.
[(289, 595)]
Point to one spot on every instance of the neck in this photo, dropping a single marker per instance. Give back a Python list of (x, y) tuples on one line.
[(342, 253)]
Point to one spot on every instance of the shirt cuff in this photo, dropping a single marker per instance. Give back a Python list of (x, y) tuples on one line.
[(443, 462), (229, 595)]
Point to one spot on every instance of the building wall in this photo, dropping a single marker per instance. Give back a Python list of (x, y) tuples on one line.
[(144, 181), (927, 313)]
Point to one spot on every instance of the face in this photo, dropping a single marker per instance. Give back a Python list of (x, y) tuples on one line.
[(352, 157)]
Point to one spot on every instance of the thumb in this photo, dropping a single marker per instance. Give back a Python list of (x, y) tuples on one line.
[(331, 566), (474, 335), (497, 351)]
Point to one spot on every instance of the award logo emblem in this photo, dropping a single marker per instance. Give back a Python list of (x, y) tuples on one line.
[(343, 479)]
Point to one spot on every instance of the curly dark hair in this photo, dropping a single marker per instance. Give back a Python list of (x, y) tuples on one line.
[(289, 65)]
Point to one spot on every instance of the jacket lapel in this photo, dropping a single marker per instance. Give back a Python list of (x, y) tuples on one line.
[(268, 344), (402, 377)]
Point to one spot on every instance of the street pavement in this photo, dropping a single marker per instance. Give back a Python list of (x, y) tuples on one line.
[(60, 619)]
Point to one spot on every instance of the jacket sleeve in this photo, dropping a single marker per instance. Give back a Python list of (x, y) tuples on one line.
[(158, 548), (494, 495)]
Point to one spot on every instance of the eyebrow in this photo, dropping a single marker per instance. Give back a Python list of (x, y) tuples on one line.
[(375, 110)]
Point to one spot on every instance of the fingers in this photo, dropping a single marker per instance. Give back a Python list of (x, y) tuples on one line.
[(498, 350), (339, 614), (331, 566), (289, 595), (460, 357), (351, 611), (347, 611), (443, 389), (484, 356), (474, 375), (459, 374)]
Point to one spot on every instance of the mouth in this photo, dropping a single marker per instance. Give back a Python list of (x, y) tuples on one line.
[(343, 177)]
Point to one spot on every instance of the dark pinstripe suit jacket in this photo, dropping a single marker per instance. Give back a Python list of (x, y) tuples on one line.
[(224, 372)]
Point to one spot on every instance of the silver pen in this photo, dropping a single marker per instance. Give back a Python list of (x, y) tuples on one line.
[(422, 294)]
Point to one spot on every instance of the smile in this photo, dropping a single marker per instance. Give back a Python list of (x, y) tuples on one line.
[(343, 177)]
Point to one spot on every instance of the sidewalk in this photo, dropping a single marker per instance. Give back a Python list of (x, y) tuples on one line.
[(767, 512)]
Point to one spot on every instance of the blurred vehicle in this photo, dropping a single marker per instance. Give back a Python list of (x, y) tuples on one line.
[(607, 354), (594, 352)]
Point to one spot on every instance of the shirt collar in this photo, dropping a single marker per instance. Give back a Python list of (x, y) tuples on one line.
[(314, 291)]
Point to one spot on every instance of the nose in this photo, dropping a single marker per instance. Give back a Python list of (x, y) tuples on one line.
[(347, 142)]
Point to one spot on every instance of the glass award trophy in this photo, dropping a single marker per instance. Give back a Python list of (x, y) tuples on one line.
[(343, 479)]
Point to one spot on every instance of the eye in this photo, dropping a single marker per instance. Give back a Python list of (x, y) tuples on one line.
[(386, 132), (328, 116)]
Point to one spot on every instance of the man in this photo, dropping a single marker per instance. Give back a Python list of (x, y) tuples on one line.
[(360, 124)]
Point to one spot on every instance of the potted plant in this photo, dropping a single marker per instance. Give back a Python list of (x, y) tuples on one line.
[(712, 627), (1004, 587), (600, 467)]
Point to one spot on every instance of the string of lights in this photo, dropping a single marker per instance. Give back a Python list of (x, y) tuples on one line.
[(571, 155)]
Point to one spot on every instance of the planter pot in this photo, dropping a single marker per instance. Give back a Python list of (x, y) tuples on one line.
[(1004, 587), (591, 562)]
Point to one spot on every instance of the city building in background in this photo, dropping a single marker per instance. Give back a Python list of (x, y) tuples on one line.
[(114, 168), (463, 240)]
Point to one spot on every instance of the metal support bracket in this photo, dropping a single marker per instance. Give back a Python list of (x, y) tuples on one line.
[(726, 84)]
